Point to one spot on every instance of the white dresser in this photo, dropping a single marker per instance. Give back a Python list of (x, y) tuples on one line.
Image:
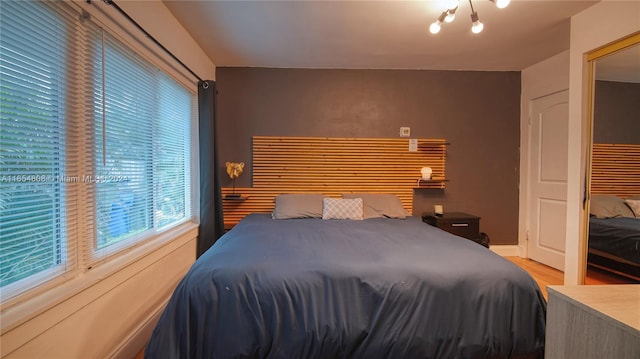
[(593, 321)]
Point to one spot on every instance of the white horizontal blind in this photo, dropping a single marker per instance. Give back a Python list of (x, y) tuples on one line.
[(34, 241), (124, 145), (94, 146), (142, 127), (172, 155)]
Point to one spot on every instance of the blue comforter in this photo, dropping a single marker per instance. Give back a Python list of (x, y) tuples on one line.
[(618, 236), (378, 288)]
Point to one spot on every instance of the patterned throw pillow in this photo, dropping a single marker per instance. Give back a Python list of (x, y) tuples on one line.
[(335, 208), (635, 206)]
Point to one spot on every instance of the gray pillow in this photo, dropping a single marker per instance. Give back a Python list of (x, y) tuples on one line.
[(634, 204), (606, 206), (306, 205), (377, 205)]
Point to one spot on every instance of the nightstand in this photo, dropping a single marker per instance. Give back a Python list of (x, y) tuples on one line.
[(460, 224)]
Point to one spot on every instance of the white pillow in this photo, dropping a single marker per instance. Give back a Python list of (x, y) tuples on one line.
[(635, 206), (335, 208)]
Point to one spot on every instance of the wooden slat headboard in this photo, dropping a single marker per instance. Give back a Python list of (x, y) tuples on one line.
[(334, 166), (615, 169)]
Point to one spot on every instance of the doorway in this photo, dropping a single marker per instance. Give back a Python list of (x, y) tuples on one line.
[(549, 126)]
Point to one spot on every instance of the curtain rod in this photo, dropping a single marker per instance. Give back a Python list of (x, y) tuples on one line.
[(123, 13)]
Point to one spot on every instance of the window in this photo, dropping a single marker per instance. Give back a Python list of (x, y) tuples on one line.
[(141, 147), (94, 145)]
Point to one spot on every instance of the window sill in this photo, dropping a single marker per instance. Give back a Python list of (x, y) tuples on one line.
[(23, 308)]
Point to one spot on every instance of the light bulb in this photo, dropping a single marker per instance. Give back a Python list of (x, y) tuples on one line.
[(477, 27), (450, 18), (451, 15), (451, 4), (435, 27), (501, 4)]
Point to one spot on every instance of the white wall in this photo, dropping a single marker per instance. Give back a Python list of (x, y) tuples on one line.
[(109, 311), (157, 20), (544, 78), (112, 317), (603, 23), (594, 27)]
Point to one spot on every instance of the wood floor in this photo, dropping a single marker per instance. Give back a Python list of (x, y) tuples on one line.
[(545, 275)]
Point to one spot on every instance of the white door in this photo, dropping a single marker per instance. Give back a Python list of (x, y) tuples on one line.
[(549, 131)]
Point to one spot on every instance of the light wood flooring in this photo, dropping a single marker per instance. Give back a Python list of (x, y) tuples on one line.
[(545, 275)]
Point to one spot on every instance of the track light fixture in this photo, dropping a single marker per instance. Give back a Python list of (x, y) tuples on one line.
[(450, 14)]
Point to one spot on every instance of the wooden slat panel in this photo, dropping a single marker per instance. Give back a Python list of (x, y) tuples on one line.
[(615, 169), (333, 166)]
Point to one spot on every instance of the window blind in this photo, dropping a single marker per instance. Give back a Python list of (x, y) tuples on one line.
[(33, 143), (94, 146), (142, 129)]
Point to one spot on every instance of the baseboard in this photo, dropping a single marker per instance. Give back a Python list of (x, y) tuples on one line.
[(138, 338), (511, 250)]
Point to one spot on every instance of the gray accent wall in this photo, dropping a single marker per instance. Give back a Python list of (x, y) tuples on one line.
[(478, 112), (616, 114)]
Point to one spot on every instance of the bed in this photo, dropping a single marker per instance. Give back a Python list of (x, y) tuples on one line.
[(614, 235), (374, 288)]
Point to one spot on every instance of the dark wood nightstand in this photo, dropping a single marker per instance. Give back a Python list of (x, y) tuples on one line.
[(460, 224)]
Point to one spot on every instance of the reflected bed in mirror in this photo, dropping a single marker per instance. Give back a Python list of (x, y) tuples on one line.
[(614, 171)]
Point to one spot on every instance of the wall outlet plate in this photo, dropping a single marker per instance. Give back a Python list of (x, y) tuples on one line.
[(405, 131)]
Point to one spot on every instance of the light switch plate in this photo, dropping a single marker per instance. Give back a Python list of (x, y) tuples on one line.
[(405, 131)]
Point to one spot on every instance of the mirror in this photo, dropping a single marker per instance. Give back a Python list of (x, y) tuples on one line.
[(613, 168)]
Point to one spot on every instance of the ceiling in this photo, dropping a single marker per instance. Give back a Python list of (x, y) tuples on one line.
[(376, 34), (621, 66)]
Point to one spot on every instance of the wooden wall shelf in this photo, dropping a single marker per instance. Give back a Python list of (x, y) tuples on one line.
[(432, 183), (233, 198)]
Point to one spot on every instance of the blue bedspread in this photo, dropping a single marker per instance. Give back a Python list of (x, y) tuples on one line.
[(378, 288), (618, 236)]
